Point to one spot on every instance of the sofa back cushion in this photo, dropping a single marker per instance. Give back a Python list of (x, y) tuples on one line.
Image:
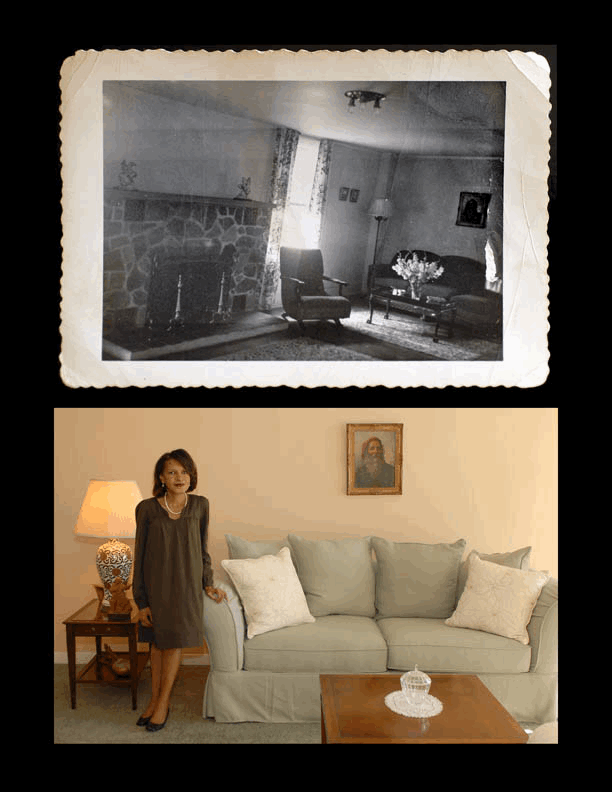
[(464, 275), (337, 575), (243, 548), (416, 580)]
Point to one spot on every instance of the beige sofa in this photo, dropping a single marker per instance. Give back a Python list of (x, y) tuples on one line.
[(377, 607)]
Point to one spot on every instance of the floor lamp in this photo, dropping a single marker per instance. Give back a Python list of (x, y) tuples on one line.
[(381, 209)]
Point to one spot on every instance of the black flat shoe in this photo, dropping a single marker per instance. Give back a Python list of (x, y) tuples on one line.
[(142, 721), (153, 727)]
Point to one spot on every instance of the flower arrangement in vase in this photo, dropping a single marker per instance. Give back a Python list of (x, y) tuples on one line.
[(417, 272)]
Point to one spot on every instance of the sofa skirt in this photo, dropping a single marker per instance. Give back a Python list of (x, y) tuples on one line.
[(268, 697)]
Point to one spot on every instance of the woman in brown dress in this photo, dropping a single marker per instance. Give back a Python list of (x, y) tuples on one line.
[(172, 570)]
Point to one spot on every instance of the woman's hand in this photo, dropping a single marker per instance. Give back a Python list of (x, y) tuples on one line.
[(145, 617), (218, 595)]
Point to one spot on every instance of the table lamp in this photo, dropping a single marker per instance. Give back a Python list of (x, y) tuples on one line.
[(107, 512)]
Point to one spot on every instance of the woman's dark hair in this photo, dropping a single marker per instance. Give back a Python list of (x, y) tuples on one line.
[(182, 457)]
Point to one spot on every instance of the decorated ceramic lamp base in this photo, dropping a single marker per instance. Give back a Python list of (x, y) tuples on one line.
[(113, 560)]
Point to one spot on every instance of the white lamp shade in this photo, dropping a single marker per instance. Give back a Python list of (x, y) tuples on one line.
[(108, 510), (381, 207)]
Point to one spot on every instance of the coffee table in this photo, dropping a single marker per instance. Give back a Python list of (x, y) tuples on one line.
[(353, 710), (439, 310)]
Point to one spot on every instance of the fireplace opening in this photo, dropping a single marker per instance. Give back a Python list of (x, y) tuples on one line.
[(187, 291)]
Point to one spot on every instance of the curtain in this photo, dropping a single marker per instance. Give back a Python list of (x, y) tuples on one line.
[(284, 157), (493, 259), (319, 190)]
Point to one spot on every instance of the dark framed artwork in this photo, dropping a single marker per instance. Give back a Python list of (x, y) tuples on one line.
[(473, 209), (343, 193), (374, 459), (354, 196)]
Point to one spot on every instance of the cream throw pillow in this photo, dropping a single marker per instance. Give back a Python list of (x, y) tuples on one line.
[(498, 599), (270, 591)]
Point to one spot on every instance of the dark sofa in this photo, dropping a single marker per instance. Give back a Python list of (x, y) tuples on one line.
[(463, 283)]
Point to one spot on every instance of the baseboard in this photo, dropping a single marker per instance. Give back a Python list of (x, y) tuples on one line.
[(61, 658)]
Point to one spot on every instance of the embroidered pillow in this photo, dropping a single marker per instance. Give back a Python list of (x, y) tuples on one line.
[(498, 599), (270, 591)]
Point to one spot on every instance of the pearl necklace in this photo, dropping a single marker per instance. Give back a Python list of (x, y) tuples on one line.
[(168, 507)]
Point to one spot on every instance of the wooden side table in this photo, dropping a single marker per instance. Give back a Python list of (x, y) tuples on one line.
[(90, 620)]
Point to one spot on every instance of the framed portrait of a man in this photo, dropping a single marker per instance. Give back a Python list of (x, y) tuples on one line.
[(374, 459)]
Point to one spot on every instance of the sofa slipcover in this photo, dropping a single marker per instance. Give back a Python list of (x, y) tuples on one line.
[(274, 676)]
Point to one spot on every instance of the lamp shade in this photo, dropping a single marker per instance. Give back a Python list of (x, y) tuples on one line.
[(108, 510), (381, 207)]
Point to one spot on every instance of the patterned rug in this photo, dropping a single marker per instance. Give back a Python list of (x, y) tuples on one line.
[(409, 331), (303, 348)]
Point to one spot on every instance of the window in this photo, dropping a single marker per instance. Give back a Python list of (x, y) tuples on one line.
[(299, 225)]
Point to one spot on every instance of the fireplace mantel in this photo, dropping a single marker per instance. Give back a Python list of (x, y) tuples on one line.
[(117, 194)]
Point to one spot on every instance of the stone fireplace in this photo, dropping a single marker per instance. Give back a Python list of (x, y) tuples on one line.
[(217, 246)]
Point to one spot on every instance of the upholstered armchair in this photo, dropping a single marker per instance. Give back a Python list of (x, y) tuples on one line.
[(302, 290)]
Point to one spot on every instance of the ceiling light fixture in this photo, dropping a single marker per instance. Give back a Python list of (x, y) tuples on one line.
[(363, 97)]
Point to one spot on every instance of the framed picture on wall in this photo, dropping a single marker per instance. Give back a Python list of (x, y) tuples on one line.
[(354, 196), (374, 459), (473, 209), (343, 193)]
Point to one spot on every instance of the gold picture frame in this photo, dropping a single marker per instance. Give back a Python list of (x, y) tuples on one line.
[(374, 459)]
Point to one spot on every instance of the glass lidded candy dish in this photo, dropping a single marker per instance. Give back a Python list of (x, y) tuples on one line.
[(413, 700), (415, 686)]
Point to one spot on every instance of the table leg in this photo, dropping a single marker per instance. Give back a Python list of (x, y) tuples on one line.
[(71, 648), (98, 655), (369, 321), (388, 309), (323, 732), (133, 668)]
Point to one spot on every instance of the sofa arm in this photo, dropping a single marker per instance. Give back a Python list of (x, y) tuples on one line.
[(224, 630), (543, 630)]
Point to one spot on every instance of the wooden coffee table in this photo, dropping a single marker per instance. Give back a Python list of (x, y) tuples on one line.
[(353, 710)]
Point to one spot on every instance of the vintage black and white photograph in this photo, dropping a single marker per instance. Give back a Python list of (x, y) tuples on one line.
[(220, 242), (210, 227)]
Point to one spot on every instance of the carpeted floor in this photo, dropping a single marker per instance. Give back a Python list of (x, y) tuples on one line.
[(410, 331), (104, 715), (304, 348), (261, 336)]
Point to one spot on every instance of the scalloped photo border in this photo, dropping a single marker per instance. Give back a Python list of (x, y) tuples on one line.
[(526, 172)]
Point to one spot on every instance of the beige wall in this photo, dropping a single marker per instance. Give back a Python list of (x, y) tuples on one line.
[(487, 475)]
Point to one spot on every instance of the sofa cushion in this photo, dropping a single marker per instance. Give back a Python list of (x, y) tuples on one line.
[(349, 644), (336, 574), (436, 647), (270, 592), (242, 548), (477, 308), (416, 580), (517, 559), (498, 599)]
